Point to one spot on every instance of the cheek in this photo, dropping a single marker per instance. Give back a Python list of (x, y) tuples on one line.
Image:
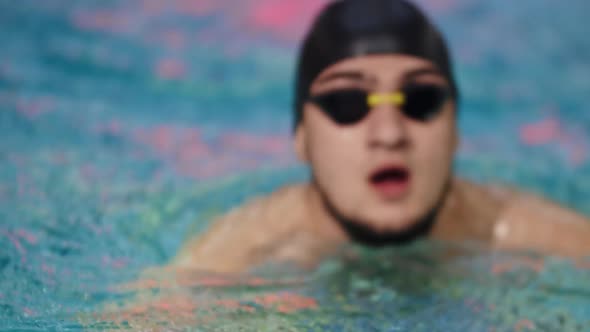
[(435, 146), (325, 139), (334, 152)]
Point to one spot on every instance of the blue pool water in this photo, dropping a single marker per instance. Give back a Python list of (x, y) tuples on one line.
[(126, 126)]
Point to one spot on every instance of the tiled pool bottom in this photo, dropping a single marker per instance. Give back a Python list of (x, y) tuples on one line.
[(127, 126)]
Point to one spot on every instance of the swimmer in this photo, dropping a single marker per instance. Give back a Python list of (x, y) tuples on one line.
[(376, 107)]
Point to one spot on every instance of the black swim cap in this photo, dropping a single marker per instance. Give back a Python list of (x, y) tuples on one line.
[(352, 28)]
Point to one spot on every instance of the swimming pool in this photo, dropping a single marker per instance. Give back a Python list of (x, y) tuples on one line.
[(128, 125)]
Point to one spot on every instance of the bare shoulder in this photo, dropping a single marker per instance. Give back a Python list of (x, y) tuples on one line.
[(529, 221), (241, 238)]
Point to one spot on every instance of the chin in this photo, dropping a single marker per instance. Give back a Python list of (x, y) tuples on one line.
[(388, 229), (386, 223), (391, 218), (380, 224)]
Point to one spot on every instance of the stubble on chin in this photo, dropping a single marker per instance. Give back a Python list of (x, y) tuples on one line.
[(377, 236)]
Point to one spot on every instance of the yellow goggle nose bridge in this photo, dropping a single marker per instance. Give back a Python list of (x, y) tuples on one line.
[(397, 99)]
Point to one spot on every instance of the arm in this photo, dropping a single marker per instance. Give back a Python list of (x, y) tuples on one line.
[(531, 222), (246, 237), (262, 229), (229, 245)]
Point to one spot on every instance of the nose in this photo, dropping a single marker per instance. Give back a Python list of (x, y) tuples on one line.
[(387, 128)]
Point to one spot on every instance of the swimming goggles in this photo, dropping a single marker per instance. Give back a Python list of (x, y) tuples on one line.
[(420, 102)]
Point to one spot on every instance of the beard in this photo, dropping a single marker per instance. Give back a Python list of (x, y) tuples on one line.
[(366, 235)]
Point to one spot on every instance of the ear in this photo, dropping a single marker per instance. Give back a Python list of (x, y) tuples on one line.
[(301, 143)]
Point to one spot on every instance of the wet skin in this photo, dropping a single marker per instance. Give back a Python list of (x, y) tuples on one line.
[(303, 223)]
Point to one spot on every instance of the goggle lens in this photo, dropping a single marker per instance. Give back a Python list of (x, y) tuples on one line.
[(420, 102)]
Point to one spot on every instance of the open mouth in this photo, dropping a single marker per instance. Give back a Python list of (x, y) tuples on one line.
[(392, 174), (391, 181)]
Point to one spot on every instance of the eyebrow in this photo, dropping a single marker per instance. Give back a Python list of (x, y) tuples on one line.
[(411, 75), (348, 75), (359, 76)]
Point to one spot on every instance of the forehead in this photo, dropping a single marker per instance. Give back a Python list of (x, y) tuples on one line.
[(377, 67)]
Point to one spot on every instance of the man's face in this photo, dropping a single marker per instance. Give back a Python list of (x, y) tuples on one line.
[(387, 171)]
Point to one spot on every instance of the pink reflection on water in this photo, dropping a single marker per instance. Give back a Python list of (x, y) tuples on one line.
[(186, 152), (115, 263), (270, 145), (171, 69), (114, 127), (33, 108), (541, 132), (28, 312), (282, 19), (198, 8), (186, 7), (88, 171), (16, 243), (59, 158), (107, 20), (27, 236), (171, 141), (577, 147), (285, 19), (552, 130), (50, 270), (173, 38)]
